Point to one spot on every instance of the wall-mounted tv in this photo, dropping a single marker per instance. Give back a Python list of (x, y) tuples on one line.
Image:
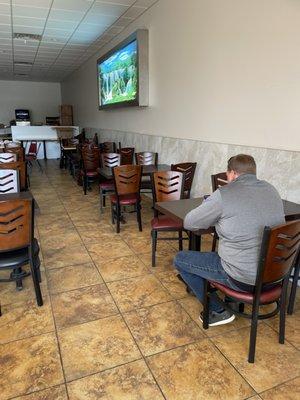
[(123, 73)]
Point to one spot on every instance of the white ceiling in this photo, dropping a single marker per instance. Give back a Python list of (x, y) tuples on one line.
[(72, 31)]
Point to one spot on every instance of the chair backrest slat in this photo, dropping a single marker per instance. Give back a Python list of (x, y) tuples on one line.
[(19, 151), (15, 224), (108, 147), (9, 181), (218, 180), (188, 169), (168, 185), (7, 157), (146, 158), (110, 160), (127, 179), (279, 251)]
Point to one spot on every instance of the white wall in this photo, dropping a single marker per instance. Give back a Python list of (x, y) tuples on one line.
[(41, 98), (220, 71)]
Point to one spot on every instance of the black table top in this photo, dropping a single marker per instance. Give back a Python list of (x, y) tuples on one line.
[(106, 172), (180, 208)]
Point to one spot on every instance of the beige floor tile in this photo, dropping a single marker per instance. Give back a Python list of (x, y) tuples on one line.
[(96, 346), (288, 391), (73, 277), (142, 291), (60, 241), (82, 305), (274, 363), (22, 320), (103, 251), (162, 327), (197, 371), (193, 307), (292, 327), (54, 393), (121, 268), (131, 381), (105, 233), (9, 294), (144, 245), (71, 255), (29, 365), (163, 262), (175, 287)]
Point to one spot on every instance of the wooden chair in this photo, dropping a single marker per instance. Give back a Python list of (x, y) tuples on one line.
[(146, 158), (67, 148), (17, 245), (108, 147), (19, 166), (7, 157), (279, 249), (32, 154), (167, 186), (188, 169), (127, 179), (127, 154), (19, 151), (91, 163), (107, 187), (9, 181), (217, 180)]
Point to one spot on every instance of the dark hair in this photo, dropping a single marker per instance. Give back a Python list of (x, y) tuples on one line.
[(242, 164)]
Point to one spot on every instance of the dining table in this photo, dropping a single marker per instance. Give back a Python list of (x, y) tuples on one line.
[(147, 170), (178, 209)]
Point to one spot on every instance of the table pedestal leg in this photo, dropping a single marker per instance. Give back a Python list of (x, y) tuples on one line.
[(45, 152)]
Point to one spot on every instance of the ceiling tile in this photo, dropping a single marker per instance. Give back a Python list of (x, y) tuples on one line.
[(108, 9), (5, 28), (63, 15), (31, 22), (134, 12), (76, 5), (33, 12), (28, 29), (122, 2), (145, 3), (34, 3), (59, 24), (98, 19), (5, 19), (5, 9)]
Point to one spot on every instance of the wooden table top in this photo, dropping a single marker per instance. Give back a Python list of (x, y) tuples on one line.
[(178, 209), (106, 172)]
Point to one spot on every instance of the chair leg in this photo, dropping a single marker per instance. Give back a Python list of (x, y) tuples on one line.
[(118, 216), (139, 217), (253, 333), (180, 241), (84, 184), (154, 243), (205, 320), (112, 214), (282, 311), (36, 284), (214, 243), (39, 164), (101, 200), (292, 298)]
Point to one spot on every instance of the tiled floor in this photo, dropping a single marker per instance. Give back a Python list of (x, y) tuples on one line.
[(113, 328)]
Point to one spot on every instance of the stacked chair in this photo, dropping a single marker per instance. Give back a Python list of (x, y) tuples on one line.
[(90, 164), (146, 158), (188, 169)]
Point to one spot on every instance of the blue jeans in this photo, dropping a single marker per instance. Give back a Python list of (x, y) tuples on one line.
[(194, 267)]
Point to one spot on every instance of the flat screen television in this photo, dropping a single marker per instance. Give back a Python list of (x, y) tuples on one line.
[(123, 73)]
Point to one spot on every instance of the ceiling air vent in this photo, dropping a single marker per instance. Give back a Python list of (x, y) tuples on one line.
[(27, 36), (23, 63)]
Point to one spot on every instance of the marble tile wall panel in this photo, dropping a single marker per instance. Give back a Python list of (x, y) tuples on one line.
[(279, 167)]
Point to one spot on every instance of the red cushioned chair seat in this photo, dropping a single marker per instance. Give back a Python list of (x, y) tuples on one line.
[(90, 173), (108, 185), (126, 199), (165, 223), (267, 296)]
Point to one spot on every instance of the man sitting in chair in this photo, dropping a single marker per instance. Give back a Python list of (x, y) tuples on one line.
[(239, 211)]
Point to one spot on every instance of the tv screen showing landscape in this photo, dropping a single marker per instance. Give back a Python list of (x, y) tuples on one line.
[(118, 76)]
